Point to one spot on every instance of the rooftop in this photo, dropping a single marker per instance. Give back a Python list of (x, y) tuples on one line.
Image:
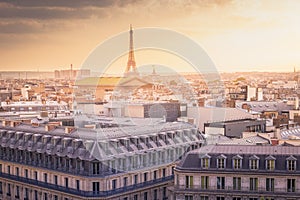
[(262, 106), (32, 103), (247, 149), (94, 81)]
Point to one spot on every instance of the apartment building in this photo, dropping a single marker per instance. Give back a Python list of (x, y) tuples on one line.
[(47, 162), (238, 172)]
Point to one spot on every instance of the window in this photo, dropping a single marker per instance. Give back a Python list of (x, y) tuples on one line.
[(221, 162), (270, 184), (155, 175), (291, 185), (125, 181), (96, 168), (26, 194), (55, 180), (145, 176), (253, 184), (204, 182), (164, 192), (188, 197), (96, 187), (237, 183), (220, 198), (77, 184), (17, 171), (66, 182), (114, 184), (36, 196), (236, 198), (253, 198), (55, 197), (237, 163), (221, 182), (205, 162), (189, 181), (45, 196), (203, 197), (270, 165), (35, 175), (8, 190), (135, 197), (164, 172), (145, 195), (26, 173), (45, 177), (291, 165), (8, 169), (17, 195), (253, 162), (155, 194), (0, 168), (1, 189), (136, 179)]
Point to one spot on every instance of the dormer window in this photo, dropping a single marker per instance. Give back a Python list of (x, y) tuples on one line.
[(253, 162), (205, 160), (237, 162), (270, 163), (221, 160), (291, 163)]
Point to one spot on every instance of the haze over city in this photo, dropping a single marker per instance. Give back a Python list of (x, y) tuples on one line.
[(237, 35), (149, 100)]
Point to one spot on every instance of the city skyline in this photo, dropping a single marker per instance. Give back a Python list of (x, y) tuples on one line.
[(238, 36)]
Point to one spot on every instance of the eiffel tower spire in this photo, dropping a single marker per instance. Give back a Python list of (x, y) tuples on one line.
[(131, 65)]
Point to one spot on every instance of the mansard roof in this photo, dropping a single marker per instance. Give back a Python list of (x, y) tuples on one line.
[(106, 143), (192, 161)]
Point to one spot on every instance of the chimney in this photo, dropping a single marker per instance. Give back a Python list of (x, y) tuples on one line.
[(5, 123), (274, 142), (50, 127), (69, 129), (14, 123), (277, 134), (35, 124)]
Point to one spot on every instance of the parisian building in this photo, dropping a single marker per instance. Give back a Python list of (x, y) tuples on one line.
[(48, 162), (238, 172)]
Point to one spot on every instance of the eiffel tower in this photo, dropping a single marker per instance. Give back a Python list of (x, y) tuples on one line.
[(131, 65)]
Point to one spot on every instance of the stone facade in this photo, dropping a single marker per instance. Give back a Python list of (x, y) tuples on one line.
[(238, 172), (46, 162)]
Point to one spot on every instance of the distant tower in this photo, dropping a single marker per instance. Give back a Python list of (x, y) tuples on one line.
[(71, 72), (153, 70), (131, 66)]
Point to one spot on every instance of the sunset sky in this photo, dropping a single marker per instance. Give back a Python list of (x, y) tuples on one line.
[(238, 35)]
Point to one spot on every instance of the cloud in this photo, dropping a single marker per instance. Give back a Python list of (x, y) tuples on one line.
[(46, 13), (18, 15), (20, 27), (60, 3)]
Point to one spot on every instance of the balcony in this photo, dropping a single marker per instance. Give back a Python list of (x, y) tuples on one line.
[(87, 193), (241, 191)]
